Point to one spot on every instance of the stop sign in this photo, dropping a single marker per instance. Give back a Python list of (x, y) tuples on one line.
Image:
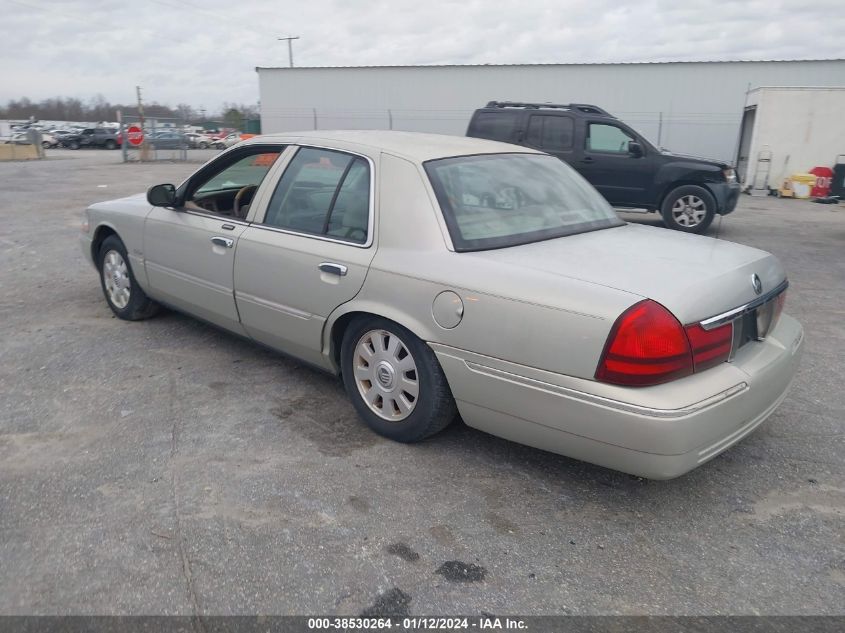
[(135, 135)]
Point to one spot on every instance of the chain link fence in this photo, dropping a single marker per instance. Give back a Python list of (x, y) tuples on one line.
[(161, 139)]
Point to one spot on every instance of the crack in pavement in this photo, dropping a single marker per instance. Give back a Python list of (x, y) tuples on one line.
[(196, 621)]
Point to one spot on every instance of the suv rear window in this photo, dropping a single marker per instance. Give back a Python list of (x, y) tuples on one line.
[(496, 126), (500, 200)]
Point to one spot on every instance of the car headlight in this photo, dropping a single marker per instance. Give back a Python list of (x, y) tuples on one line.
[(729, 174)]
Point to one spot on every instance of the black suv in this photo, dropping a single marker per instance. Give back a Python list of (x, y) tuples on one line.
[(625, 168), (92, 137)]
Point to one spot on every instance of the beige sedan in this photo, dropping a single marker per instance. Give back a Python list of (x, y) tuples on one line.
[(442, 275)]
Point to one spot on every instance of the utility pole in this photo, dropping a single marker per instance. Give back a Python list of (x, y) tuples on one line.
[(144, 151), (140, 106), (290, 47)]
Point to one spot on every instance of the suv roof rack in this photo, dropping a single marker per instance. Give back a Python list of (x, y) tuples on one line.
[(584, 108)]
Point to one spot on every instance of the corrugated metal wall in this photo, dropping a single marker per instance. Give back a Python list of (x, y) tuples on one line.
[(692, 107)]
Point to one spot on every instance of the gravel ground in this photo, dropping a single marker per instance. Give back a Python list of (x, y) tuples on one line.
[(165, 467)]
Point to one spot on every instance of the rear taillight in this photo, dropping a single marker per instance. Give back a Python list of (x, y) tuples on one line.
[(709, 347), (647, 346)]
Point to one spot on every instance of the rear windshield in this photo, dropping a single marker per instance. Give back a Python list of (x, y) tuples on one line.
[(499, 200)]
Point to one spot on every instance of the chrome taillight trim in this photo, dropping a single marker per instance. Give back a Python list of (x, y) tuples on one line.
[(720, 319)]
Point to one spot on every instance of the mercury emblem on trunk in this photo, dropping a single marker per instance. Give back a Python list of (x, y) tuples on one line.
[(756, 283)]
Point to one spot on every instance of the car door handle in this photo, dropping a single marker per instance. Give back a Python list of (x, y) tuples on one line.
[(332, 268), (588, 159), (225, 242)]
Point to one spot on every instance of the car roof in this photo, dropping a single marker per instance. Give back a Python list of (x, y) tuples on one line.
[(415, 146)]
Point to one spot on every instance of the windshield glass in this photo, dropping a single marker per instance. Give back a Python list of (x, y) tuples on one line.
[(499, 200)]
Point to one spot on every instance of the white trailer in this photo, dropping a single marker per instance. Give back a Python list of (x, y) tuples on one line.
[(788, 130)]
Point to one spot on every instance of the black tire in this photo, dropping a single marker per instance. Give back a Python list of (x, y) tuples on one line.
[(434, 408), (73, 145), (203, 145), (139, 306), (45, 144), (692, 193), (111, 144)]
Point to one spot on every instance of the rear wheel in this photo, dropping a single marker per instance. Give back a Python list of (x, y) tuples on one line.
[(394, 381), (123, 294), (689, 208), (73, 145)]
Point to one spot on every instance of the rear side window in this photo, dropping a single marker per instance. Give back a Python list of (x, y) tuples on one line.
[(550, 132), (496, 126), (323, 192)]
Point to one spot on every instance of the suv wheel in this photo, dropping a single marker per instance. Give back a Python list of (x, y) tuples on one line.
[(111, 144), (74, 145), (689, 208)]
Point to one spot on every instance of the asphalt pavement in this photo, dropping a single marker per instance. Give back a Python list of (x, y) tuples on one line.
[(166, 467)]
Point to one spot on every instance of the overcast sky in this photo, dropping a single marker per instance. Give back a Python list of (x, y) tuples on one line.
[(204, 52)]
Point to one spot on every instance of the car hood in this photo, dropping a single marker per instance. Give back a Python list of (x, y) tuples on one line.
[(710, 161), (694, 277)]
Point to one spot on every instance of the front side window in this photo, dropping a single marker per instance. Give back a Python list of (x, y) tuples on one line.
[(607, 138), (323, 192), (229, 189), (500, 200)]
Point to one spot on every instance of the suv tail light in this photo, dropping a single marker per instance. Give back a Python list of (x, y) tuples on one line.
[(647, 346)]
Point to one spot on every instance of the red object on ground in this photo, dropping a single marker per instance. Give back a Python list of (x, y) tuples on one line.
[(135, 135), (824, 176)]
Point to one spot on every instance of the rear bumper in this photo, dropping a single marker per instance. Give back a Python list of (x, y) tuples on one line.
[(726, 195), (657, 432)]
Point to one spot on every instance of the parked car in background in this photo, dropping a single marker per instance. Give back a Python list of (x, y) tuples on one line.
[(442, 274), (625, 168), (18, 138), (167, 139), (49, 141), (105, 138), (228, 140), (198, 141)]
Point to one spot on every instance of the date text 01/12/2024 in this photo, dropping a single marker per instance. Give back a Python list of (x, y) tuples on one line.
[(417, 623)]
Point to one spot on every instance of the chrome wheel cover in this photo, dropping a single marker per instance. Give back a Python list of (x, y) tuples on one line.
[(116, 279), (689, 211), (386, 375)]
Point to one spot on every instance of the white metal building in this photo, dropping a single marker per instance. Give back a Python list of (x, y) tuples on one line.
[(789, 130), (688, 107)]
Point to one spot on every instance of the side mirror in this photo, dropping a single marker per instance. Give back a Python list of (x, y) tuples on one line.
[(162, 195), (635, 149)]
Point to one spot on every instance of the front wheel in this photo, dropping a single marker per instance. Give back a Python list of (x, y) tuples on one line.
[(689, 208), (111, 145), (123, 294), (394, 381), (73, 145)]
